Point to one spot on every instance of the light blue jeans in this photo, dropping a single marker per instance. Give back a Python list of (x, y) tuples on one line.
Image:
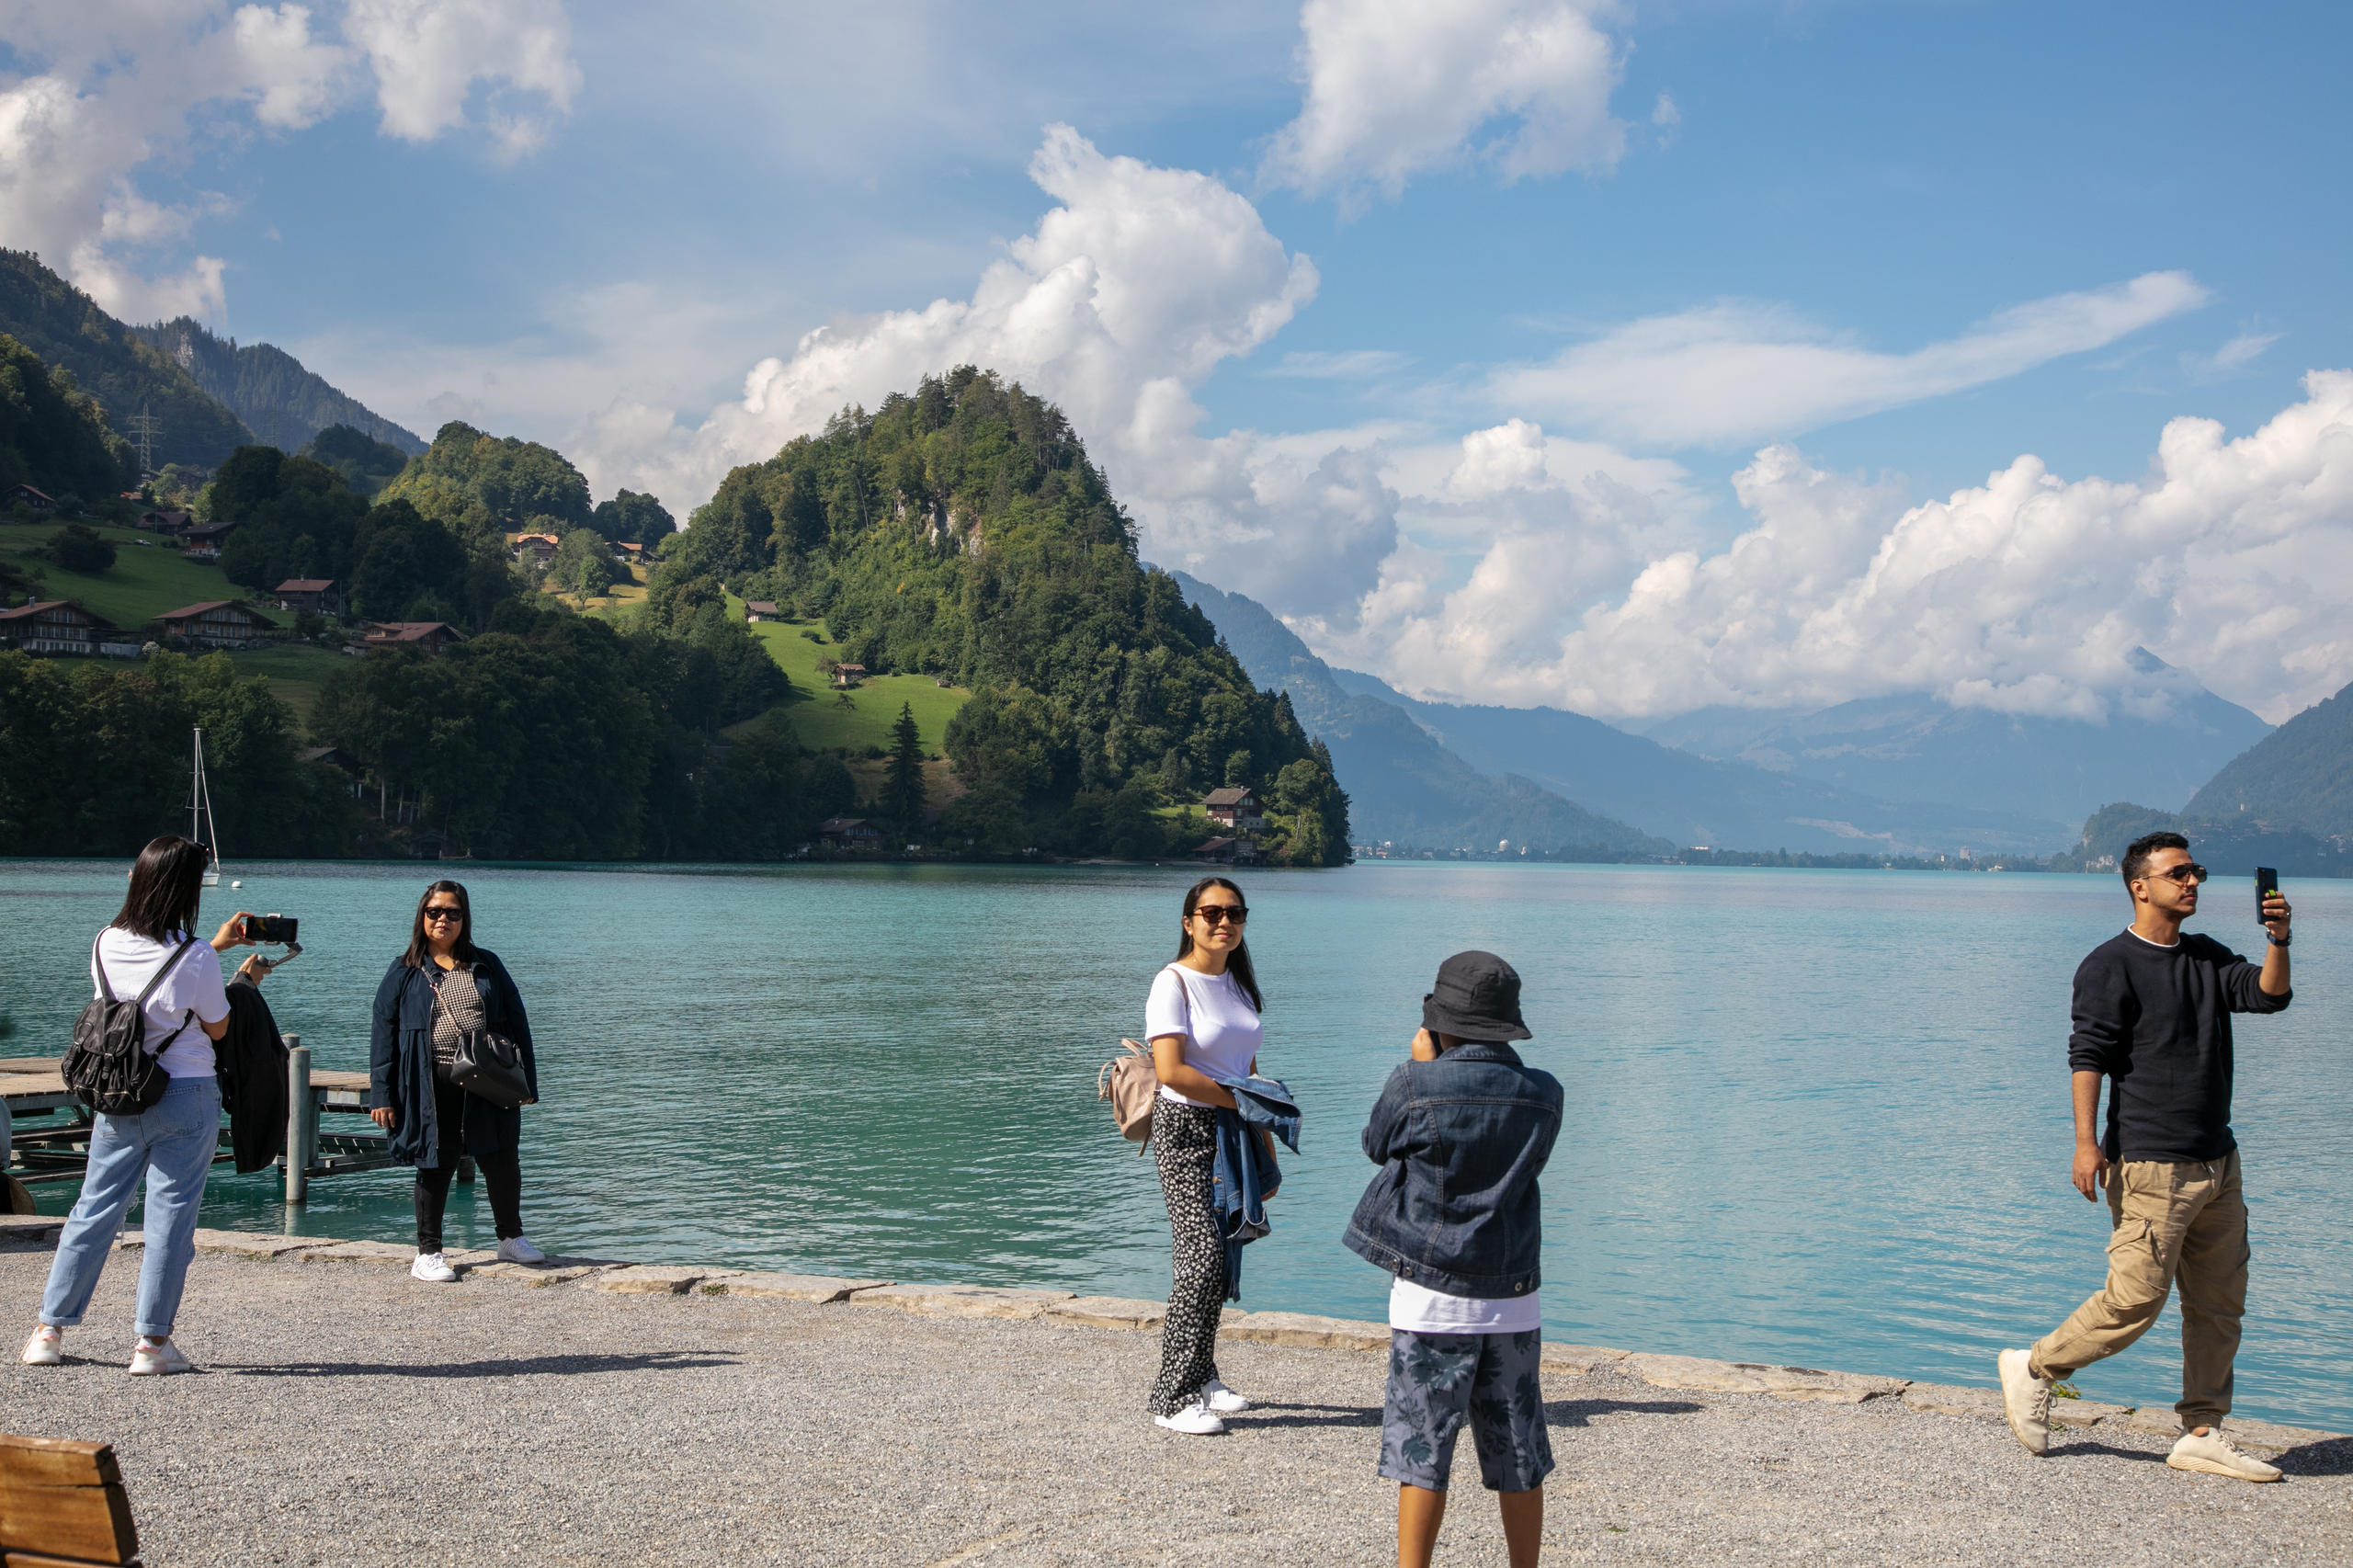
[(173, 1146)]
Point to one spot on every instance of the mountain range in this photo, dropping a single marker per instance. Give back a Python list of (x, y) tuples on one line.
[(206, 397), (2163, 737), (1442, 775), (2299, 777)]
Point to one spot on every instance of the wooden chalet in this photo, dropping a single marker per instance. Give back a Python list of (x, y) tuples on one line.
[(218, 623), (55, 626), (310, 595), (201, 542), (537, 549), (166, 520), (759, 609), (428, 637), (848, 833), (26, 496), (846, 675), (626, 554), (1227, 852), (1237, 809)]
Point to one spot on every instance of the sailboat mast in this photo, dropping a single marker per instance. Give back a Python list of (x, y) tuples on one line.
[(199, 814)]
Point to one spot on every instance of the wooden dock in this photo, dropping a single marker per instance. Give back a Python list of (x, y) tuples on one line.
[(50, 1137)]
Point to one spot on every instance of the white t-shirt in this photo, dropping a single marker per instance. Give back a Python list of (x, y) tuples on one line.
[(194, 985), (1419, 1310), (1220, 1028)]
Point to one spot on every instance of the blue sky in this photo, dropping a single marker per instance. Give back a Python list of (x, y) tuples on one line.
[(1782, 286)]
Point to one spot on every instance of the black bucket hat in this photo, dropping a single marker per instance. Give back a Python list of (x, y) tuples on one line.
[(1476, 997)]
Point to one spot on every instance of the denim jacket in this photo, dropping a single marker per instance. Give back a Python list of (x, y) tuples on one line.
[(1245, 1174), (1460, 1141)]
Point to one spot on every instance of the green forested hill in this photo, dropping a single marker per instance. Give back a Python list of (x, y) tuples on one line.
[(114, 365), (53, 437), (2299, 776), (280, 402), (477, 481), (963, 532)]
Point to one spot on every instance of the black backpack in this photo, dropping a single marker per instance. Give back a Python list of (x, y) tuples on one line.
[(108, 1066)]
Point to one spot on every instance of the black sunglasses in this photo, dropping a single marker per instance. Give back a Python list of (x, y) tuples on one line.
[(1219, 914), (2184, 875), (444, 912)]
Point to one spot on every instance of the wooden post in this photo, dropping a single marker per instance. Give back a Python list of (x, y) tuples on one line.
[(301, 1124)]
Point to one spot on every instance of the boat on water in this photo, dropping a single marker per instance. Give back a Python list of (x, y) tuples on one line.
[(199, 815)]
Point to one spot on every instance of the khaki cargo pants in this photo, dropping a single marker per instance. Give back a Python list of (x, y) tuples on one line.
[(2172, 1224)]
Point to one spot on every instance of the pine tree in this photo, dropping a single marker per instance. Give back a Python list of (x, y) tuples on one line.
[(903, 785)]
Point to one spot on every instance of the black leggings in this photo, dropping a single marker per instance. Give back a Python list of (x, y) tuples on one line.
[(502, 1173)]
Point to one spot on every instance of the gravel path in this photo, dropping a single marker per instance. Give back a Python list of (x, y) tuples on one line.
[(347, 1417)]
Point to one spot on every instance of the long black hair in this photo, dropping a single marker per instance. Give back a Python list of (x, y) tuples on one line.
[(166, 880), (1237, 963), (420, 952)]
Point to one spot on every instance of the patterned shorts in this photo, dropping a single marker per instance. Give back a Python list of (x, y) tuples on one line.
[(1436, 1381)]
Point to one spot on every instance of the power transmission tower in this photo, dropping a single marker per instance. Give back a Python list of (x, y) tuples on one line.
[(145, 429)]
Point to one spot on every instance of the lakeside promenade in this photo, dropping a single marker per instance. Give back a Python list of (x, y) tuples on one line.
[(599, 1413)]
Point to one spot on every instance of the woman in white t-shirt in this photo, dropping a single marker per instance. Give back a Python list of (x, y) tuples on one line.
[(1202, 1020), (171, 1144)]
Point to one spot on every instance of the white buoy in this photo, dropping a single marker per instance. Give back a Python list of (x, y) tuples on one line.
[(236, 884)]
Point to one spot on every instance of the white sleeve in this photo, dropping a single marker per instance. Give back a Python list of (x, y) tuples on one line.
[(196, 984), (1166, 1012)]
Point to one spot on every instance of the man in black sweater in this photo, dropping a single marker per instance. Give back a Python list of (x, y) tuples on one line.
[(2152, 1015)]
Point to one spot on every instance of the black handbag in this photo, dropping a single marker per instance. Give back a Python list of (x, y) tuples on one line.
[(488, 1065)]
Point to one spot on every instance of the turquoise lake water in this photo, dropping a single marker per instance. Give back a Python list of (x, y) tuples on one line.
[(1812, 1117)]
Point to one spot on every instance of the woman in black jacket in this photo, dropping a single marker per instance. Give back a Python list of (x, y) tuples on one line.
[(440, 989)]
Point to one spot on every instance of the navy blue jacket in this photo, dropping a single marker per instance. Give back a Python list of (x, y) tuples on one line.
[(400, 1061), (1460, 1141)]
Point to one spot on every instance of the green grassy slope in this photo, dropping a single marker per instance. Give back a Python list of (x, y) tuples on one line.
[(147, 578), (295, 672), (822, 720)]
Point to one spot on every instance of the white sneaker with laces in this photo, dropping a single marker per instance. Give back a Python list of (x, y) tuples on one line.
[(2217, 1455), (2025, 1401), (1223, 1399), (1197, 1420), (432, 1267), (45, 1348), (158, 1360), (520, 1249)]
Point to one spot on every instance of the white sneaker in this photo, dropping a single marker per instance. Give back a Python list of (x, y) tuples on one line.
[(520, 1249), (2217, 1455), (45, 1348), (1223, 1399), (158, 1360), (2025, 1401), (1196, 1419), (432, 1267)]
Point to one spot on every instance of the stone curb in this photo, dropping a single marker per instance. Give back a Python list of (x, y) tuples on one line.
[(654, 1279), (820, 1288), (1755, 1377), (1305, 1330), (960, 1301)]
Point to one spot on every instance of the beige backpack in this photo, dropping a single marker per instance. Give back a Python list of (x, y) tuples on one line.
[(1130, 1084)]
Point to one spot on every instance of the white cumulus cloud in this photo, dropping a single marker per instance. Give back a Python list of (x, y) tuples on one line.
[(1397, 87), (103, 89), (2233, 559), (1130, 291), (1735, 371)]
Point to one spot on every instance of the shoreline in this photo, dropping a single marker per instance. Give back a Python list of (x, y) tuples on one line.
[(1292, 1330)]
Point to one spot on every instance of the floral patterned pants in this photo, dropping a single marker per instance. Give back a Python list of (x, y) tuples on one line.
[(1184, 1140)]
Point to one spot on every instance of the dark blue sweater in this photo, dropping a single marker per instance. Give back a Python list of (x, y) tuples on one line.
[(2157, 1021)]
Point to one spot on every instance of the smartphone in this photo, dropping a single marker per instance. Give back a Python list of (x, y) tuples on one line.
[(277, 928), (2267, 883)]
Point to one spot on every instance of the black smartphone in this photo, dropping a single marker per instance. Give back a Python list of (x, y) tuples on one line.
[(2267, 883), (277, 928)]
